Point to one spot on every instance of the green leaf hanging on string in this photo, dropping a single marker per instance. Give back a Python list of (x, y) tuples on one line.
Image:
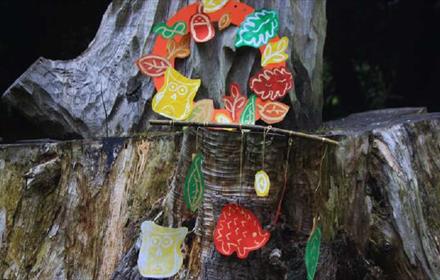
[(248, 114), (167, 32), (257, 29), (194, 184), (312, 253)]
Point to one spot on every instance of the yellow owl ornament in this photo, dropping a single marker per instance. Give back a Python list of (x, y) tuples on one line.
[(175, 99), (160, 255)]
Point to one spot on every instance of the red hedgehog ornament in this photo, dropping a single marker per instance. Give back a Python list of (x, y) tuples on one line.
[(238, 230)]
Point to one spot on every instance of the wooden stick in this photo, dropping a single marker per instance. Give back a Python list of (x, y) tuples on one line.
[(246, 126)]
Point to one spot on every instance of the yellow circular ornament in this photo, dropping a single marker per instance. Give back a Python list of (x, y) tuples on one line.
[(262, 183)]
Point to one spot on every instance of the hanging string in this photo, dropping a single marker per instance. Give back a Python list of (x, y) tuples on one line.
[(320, 168), (286, 169), (266, 131), (241, 165)]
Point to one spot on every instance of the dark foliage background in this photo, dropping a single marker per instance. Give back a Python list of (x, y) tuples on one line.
[(379, 53)]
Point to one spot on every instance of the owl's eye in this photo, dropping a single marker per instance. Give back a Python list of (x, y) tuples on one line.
[(172, 86), (155, 240), (182, 90), (166, 242)]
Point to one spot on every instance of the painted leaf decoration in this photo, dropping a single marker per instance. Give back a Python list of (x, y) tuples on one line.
[(210, 6), (194, 184), (202, 112), (257, 29), (224, 21), (248, 114), (262, 183), (179, 49), (153, 65), (275, 52), (167, 32), (272, 111), (235, 102), (312, 253), (238, 230), (271, 84)]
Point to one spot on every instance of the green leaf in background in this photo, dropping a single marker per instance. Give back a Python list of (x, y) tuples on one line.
[(248, 114), (257, 29), (312, 253), (194, 184), (179, 28)]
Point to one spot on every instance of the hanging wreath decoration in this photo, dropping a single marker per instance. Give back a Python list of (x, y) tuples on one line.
[(257, 28)]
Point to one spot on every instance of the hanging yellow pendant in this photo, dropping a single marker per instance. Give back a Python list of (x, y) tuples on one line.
[(175, 99), (262, 183), (160, 255)]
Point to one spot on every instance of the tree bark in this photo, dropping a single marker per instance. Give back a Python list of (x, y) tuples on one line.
[(376, 196), (102, 93)]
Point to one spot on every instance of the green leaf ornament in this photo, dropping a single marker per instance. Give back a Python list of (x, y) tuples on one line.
[(167, 32), (312, 253), (248, 114), (257, 29), (194, 184)]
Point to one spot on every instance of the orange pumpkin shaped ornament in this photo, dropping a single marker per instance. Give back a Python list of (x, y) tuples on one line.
[(238, 230), (201, 28)]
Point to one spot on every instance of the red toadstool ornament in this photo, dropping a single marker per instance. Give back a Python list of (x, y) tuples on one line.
[(238, 230)]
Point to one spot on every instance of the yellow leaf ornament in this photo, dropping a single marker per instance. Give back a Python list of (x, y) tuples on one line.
[(211, 6), (275, 52), (160, 255), (262, 183), (175, 99)]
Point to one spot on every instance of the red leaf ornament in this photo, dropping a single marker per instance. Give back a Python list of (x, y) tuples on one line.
[(272, 111), (238, 230), (235, 102), (272, 84), (201, 28), (153, 65)]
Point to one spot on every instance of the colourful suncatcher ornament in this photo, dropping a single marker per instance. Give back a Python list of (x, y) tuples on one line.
[(275, 52), (271, 84), (194, 184), (210, 6), (201, 28), (153, 65), (249, 112), (167, 32), (262, 183), (272, 111), (160, 255), (257, 29), (175, 99), (235, 102), (312, 253), (203, 111), (238, 230)]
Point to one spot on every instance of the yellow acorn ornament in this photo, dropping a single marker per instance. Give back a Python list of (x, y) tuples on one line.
[(262, 183), (175, 99), (211, 6)]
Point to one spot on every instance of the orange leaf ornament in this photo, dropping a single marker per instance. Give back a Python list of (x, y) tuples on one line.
[(224, 21), (238, 230), (272, 112), (153, 65), (179, 49), (272, 84), (235, 102)]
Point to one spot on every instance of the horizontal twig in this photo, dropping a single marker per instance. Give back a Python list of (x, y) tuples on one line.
[(246, 126)]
